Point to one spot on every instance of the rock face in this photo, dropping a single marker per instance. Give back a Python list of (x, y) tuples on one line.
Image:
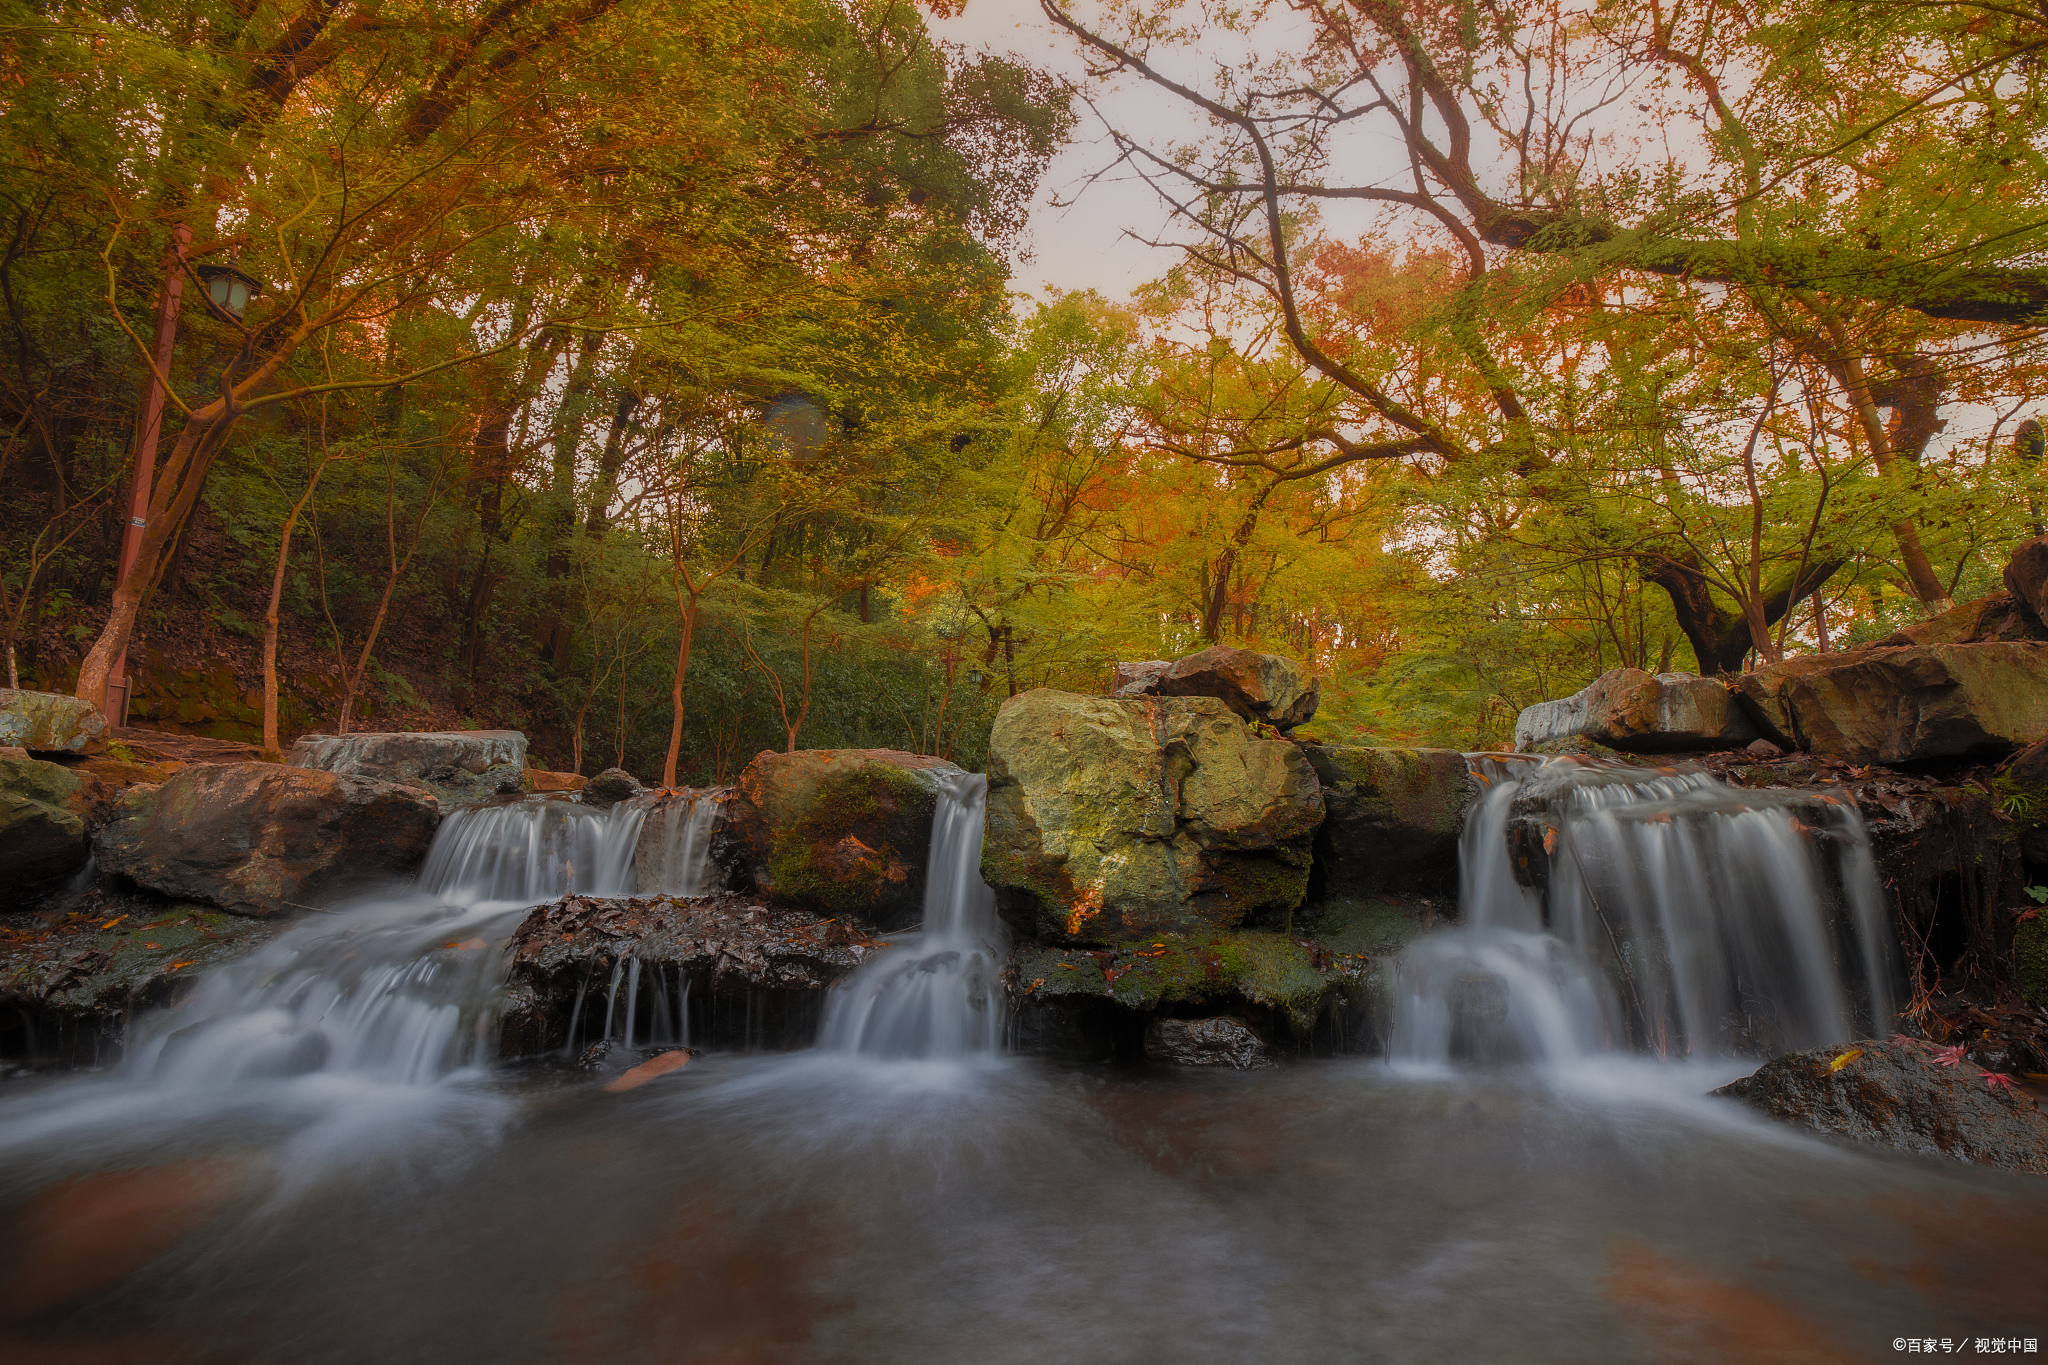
[(1204, 1042), (1114, 817), (1999, 617), (2030, 960), (457, 766), (44, 808), (844, 832), (1276, 977), (2026, 575), (756, 976), (1628, 709), (260, 839), (1258, 687), (1394, 817), (1139, 679), (45, 722), (1897, 1095), (1905, 705)]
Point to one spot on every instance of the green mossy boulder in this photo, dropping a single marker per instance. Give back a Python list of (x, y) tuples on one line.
[(839, 832), (45, 812), (1114, 817), (1393, 823)]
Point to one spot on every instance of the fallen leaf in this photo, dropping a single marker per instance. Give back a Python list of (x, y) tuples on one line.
[(114, 921), (648, 1070), (1843, 1059), (175, 965)]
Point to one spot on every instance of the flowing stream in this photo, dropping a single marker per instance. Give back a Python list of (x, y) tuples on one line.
[(313, 1161), (1609, 907)]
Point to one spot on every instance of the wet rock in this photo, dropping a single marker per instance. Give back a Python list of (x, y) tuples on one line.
[(839, 831), (672, 854), (1392, 822), (45, 809), (2000, 616), (2026, 575), (541, 780), (1905, 705), (1896, 1095), (70, 981), (1763, 749), (47, 722), (756, 976), (1282, 980), (1114, 817), (2030, 960), (1639, 712), (1138, 679), (1257, 687), (1205, 1042), (458, 766), (260, 839), (610, 787)]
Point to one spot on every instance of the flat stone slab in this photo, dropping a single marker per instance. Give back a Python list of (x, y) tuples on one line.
[(457, 766)]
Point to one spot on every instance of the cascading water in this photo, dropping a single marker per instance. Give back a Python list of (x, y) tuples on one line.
[(1661, 911), (403, 989), (932, 994), (674, 842)]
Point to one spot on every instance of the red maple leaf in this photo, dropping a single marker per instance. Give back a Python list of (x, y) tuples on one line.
[(1995, 1081), (1949, 1056)]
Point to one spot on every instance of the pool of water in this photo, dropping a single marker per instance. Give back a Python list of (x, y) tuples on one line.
[(822, 1207)]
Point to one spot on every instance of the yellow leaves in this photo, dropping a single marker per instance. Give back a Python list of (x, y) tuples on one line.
[(114, 921), (1843, 1059)]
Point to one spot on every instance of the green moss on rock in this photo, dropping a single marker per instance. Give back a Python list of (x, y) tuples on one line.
[(2030, 960), (1182, 972)]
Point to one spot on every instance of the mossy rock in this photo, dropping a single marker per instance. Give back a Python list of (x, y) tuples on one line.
[(837, 832), (44, 812), (1281, 976), (1395, 818)]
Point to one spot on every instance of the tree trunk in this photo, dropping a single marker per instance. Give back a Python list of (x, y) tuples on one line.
[(1722, 639), (271, 747)]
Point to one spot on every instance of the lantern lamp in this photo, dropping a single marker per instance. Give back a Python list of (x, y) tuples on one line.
[(228, 289)]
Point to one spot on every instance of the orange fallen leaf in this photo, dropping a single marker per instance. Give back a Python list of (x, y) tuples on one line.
[(1844, 1058), (175, 965), (152, 945), (466, 945), (114, 921), (648, 1070)]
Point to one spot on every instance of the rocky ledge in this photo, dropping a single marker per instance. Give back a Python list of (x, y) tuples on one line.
[(719, 970), (1907, 1095)]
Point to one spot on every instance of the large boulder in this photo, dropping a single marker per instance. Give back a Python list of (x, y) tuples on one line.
[(610, 787), (1393, 823), (458, 766), (44, 811), (1258, 687), (260, 839), (1905, 705), (1900, 1095), (49, 723), (2026, 575), (841, 832), (1639, 712), (1112, 817), (1139, 678)]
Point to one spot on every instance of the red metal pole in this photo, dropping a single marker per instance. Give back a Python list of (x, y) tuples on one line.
[(146, 439)]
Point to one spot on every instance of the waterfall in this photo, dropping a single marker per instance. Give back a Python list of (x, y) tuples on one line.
[(403, 989), (674, 848), (1657, 910), (933, 994)]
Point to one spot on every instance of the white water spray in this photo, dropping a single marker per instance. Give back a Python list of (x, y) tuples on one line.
[(1661, 911), (933, 994)]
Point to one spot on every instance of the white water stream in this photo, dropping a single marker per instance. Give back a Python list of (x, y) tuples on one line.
[(1670, 914)]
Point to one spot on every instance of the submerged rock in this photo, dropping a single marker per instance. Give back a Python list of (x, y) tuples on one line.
[(1898, 1095), (840, 831), (1205, 1042), (756, 976), (47, 722), (457, 766), (1639, 712), (1394, 817), (1905, 705), (1257, 687), (45, 809), (260, 839), (1112, 817)]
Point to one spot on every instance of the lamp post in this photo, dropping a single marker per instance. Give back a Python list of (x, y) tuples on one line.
[(145, 445)]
